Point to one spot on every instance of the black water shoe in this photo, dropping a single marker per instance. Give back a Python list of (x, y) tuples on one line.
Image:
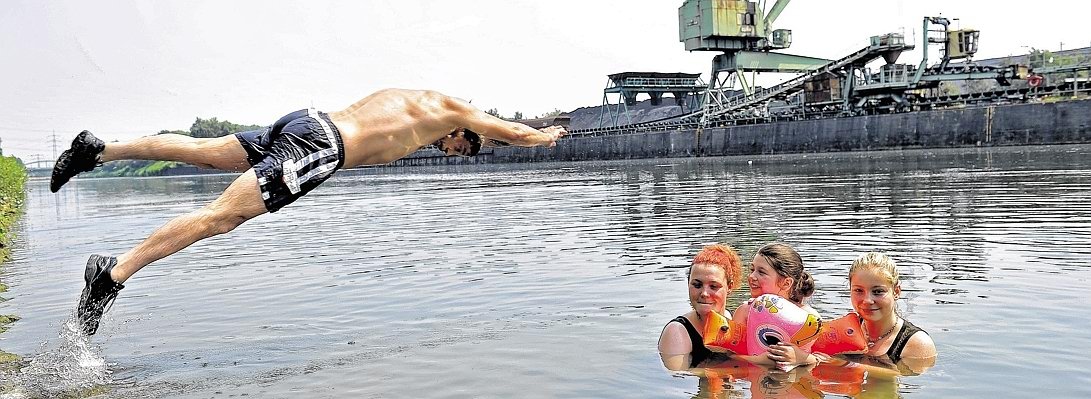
[(83, 156), (98, 293)]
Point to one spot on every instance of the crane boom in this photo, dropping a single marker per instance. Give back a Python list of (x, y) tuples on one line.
[(774, 12)]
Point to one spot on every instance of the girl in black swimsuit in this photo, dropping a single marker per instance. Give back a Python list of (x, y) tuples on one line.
[(715, 271), (874, 289)]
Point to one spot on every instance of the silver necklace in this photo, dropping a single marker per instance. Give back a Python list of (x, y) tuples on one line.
[(871, 342)]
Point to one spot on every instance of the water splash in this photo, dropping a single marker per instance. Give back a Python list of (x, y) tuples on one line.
[(72, 369)]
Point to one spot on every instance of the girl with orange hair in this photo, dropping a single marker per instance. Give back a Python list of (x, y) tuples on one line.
[(714, 273)]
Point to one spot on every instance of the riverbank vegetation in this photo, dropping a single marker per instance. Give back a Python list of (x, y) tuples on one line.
[(13, 177)]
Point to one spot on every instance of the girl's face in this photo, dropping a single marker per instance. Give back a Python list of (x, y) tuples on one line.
[(707, 288), (763, 279), (872, 294)]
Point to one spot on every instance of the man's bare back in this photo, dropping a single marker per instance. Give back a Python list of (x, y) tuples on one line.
[(392, 123)]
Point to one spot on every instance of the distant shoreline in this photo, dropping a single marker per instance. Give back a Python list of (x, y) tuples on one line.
[(1062, 122)]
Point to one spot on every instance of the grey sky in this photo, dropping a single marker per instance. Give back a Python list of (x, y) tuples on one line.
[(125, 68)]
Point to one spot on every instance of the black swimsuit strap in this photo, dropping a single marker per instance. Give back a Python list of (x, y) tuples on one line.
[(693, 334), (700, 352), (896, 347)]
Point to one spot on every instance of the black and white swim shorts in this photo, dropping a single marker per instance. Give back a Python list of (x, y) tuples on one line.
[(293, 156)]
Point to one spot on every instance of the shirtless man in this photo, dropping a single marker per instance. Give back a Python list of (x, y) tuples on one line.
[(282, 163)]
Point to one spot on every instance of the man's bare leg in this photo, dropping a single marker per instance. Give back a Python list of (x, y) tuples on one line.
[(88, 151), (224, 153), (241, 201)]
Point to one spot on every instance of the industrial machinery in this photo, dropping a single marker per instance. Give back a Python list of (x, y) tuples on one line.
[(685, 87), (742, 32)]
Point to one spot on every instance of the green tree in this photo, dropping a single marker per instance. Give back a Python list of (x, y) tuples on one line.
[(210, 128), (1039, 58), (493, 112), (201, 128), (518, 115)]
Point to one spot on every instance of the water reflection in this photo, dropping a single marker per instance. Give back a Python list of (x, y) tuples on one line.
[(735, 379), (560, 276)]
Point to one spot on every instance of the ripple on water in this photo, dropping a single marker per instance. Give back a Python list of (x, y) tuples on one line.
[(403, 283)]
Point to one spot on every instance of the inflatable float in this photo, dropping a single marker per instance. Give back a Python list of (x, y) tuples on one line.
[(773, 319), (841, 336)]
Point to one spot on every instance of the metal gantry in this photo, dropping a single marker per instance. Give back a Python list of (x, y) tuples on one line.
[(742, 31), (626, 86)]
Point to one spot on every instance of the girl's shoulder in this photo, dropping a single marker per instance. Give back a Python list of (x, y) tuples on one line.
[(918, 355), (740, 312), (675, 337), (920, 344)]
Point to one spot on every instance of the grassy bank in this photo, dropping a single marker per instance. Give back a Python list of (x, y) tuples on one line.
[(133, 169), (13, 177)]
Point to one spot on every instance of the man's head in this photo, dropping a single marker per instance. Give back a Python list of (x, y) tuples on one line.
[(462, 142)]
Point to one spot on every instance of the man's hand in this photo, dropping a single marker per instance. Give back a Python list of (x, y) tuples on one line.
[(551, 134)]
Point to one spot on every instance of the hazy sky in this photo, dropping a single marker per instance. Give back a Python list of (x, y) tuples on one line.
[(127, 68)]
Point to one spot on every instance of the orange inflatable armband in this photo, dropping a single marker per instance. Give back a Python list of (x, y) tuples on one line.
[(841, 336), (719, 332)]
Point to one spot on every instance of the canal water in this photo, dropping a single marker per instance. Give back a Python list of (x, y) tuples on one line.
[(554, 280)]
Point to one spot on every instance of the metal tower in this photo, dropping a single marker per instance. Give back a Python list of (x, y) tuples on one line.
[(742, 31), (627, 85)]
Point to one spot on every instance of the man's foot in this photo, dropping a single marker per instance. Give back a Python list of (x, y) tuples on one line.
[(83, 156), (98, 293)]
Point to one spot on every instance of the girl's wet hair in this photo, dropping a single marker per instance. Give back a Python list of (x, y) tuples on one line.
[(786, 261), (725, 258), (878, 261)]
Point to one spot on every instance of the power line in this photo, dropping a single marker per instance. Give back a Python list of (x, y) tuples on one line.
[(54, 139)]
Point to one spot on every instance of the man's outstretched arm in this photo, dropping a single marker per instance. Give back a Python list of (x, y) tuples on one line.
[(465, 115)]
